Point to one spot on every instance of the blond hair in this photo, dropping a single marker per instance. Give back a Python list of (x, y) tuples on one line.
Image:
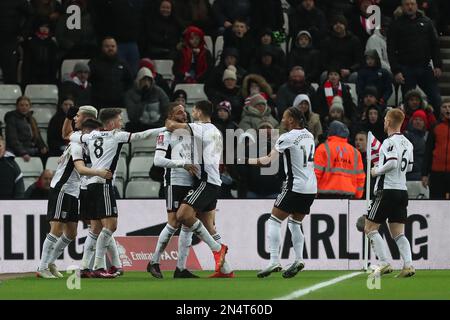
[(396, 116)]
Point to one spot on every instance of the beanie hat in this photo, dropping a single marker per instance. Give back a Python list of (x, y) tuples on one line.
[(339, 19), (337, 104), (229, 73), (339, 129), (257, 99), (81, 67), (148, 63), (142, 73), (370, 91), (420, 114), (304, 32), (225, 105)]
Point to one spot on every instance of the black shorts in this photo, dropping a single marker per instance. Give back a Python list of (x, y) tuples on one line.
[(294, 202), (62, 207), (84, 212), (101, 201), (203, 198), (389, 204), (175, 196)]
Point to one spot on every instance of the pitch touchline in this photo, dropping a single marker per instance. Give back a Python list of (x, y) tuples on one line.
[(303, 292)]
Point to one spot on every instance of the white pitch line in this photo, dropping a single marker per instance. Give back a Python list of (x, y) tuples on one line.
[(303, 292)]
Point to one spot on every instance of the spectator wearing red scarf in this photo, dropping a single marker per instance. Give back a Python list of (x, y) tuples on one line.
[(193, 60)]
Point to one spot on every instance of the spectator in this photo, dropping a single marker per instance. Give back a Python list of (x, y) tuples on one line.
[(180, 97), (415, 101), (338, 166), (229, 91), (254, 84), (342, 50), (76, 43), (162, 32), (313, 124), (193, 61), (331, 88), (361, 146), (159, 80), (377, 42), (41, 188), (266, 65), (110, 77), (266, 40), (255, 113), (266, 14), (56, 143), (337, 7), (40, 56), (195, 13), (22, 133), (307, 17), (227, 11), (238, 37), (49, 10), (373, 74), (230, 57), (15, 16), (369, 100), (436, 165), (146, 103), (295, 85), (303, 54), (361, 23), (412, 42), (11, 183), (336, 112), (77, 85), (373, 121)]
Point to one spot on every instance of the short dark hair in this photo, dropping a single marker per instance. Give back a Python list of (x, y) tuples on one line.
[(206, 107), (91, 124), (109, 114), (298, 116), (171, 107)]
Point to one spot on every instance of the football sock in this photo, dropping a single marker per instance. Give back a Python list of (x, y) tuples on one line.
[(200, 231), (405, 249), (60, 245), (297, 238), (226, 267), (378, 245), (114, 253), (274, 233), (184, 243), (47, 249), (89, 250), (163, 240), (102, 243)]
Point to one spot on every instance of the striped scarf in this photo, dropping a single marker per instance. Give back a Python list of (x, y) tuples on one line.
[(329, 92)]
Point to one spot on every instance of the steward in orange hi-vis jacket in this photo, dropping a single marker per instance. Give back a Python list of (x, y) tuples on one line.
[(338, 165)]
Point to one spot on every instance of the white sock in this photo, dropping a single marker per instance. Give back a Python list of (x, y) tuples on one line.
[(226, 268), (89, 250), (184, 243), (298, 239), (405, 250), (200, 231), (47, 249), (274, 233), (114, 253), (163, 240), (102, 243), (378, 245), (60, 245)]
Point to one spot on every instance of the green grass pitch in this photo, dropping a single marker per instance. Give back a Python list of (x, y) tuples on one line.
[(427, 284)]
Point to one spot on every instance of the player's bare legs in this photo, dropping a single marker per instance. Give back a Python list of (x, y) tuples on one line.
[(378, 246), (187, 216), (397, 231)]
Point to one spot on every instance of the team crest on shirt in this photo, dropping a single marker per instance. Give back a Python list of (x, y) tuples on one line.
[(63, 214)]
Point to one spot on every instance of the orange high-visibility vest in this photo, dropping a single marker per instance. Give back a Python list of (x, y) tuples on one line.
[(339, 168)]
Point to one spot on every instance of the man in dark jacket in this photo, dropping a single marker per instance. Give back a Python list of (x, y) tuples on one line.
[(239, 37), (226, 11), (343, 50), (110, 77), (303, 54), (412, 42), (306, 16), (40, 189), (78, 85), (14, 23), (11, 183)]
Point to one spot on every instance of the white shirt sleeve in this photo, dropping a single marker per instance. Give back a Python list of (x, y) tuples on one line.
[(390, 158), (76, 151), (283, 143), (122, 136), (163, 141)]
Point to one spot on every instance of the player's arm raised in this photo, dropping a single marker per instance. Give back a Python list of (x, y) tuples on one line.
[(67, 125)]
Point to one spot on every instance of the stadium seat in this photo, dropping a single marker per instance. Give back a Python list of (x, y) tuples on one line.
[(4, 110), (164, 67), (125, 151), (209, 44), (353, 92), (42, 93), (28, 182), (139, 167), (9, 94), (195, 92), (125, 117), (315, 86), (146, 146), (52, 163), (67, 67), (119, 185), (32, 168), (121, 170), (218, 48), (141, 189), (43, 132), (286, 22), (417, 191), (43, 115)]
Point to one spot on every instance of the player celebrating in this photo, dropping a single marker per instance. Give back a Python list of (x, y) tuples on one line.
[(299, 191), (62, 212), (207, 146), (173, 154), (104, 148), (391, 201)]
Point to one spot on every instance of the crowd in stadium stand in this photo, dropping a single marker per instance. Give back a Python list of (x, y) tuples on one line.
[(313, 61)]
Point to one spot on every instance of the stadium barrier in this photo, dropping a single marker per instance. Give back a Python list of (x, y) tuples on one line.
[(331, 239)]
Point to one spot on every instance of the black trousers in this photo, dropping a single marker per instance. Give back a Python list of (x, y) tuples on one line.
[(9, 61)]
